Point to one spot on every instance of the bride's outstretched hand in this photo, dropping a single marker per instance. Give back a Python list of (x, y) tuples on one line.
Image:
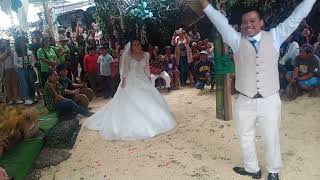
[(204, 3)]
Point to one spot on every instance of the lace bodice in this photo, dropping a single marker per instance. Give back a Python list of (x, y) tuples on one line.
[(138, 68)]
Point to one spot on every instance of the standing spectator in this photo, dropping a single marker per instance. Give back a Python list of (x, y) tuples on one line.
[(10, 76), (91, 68), (73, 58), (172, 68), (62, 50), (24, 65), (204, 71), (182, 53), (195, 59), (81, 53), (104, 62), (115, 67), (194, 34), (316, 47), (91, 41), (48, 59)]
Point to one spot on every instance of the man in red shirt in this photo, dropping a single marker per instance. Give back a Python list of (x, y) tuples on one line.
[(91, 67)]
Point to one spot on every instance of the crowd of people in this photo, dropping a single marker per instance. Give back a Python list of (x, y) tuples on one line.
[(30, 69), (188, 59), (299, 61)]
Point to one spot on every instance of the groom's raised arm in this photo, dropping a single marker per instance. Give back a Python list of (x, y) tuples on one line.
[(285, 29), (229, 34)]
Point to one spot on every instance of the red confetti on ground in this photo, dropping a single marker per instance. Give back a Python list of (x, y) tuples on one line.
[(132, 149)]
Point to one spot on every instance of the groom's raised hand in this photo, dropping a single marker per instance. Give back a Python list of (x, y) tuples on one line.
[(204, 3)]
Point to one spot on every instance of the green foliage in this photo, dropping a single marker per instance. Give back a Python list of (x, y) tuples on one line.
[(160, 17)]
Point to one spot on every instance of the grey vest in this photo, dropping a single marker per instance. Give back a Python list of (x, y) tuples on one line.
[(257, 73)]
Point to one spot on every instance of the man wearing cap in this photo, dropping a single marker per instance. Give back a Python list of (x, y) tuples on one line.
[(306, 65), (256, 54), (204, 71)]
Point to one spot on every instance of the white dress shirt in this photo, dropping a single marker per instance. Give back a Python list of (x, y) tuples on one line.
[(279, 33), (292, 53)]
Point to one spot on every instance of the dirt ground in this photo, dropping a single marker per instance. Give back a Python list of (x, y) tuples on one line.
[(201, 146)]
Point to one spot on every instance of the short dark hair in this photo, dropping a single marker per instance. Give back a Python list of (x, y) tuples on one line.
[(307, 48), (252, 9), (60, 67), (91, 48)]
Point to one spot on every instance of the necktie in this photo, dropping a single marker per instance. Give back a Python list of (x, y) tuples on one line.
[(253, 42)]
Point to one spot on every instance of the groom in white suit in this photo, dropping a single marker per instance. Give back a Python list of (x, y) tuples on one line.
[(256, 59)]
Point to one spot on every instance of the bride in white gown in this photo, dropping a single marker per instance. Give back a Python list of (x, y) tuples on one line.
[(138, 110)]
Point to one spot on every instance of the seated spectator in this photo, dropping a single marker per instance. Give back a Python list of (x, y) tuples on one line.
[(290, 55), (24, 66), (54, 100), (48, 59), (172, 68), (157, 68), (306, 66), (105, 61), (70, 85), (204, 71), (91, 68), (8, 71), (316, 47), (194, 34)]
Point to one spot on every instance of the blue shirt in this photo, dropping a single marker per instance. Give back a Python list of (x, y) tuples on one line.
[(105, 65)]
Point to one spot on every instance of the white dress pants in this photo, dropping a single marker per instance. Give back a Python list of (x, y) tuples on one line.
[(266, 112), (164, 75)]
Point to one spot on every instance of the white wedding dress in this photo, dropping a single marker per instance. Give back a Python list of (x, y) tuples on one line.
[(137, 111)]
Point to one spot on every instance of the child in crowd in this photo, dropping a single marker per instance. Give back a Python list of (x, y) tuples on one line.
[(92, 68), (104, 61), (172, 68)]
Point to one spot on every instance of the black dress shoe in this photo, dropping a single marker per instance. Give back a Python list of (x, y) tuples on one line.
[(273, 176), (243, 172)]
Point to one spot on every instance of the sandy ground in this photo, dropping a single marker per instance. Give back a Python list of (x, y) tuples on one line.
[(201, 146)]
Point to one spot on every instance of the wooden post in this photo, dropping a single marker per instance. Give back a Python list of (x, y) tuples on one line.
[(227, 98), (48, 16), (218, 53)]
